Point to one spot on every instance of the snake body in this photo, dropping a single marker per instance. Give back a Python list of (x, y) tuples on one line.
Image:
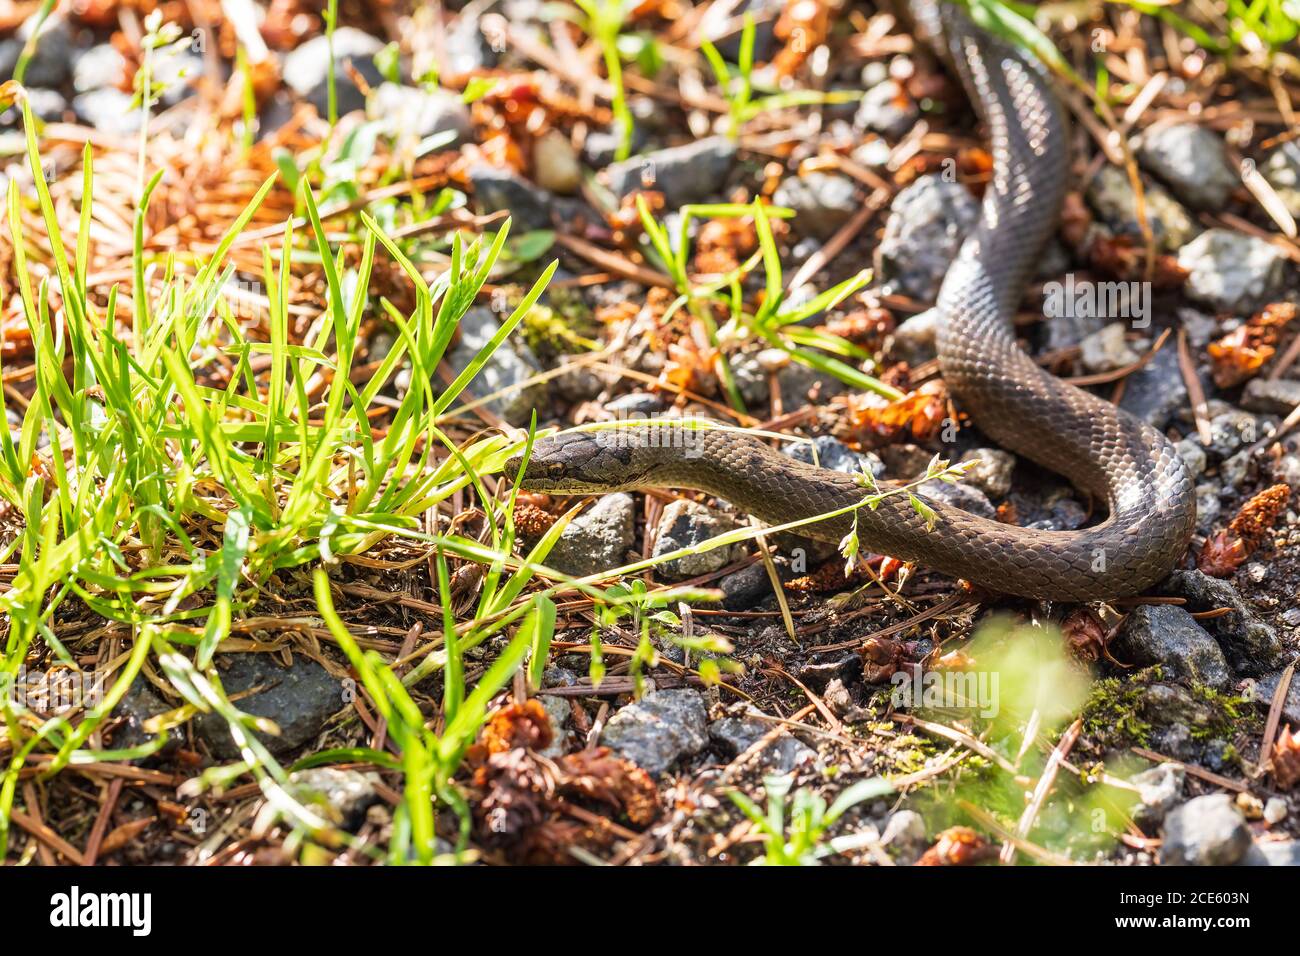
[(1104, 451)]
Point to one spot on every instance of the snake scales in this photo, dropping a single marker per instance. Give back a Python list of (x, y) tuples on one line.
[(1101, 449)]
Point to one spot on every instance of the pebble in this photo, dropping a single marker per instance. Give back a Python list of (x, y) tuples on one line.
[(597, 539), (1193, 456), (684, 174), (1191, 159), (108, 110), (1275, 811), (914, 339), (992, 472), (100, 66), (511, 364), (1049, 508), (660, 729), (823, 202), (1112, 196), (1205, 831), (1159, 789), (1156, 391), (1276, 396), (51, 64), (299, 699), (1261, 691), (497, 189), (1281, 167), (927, 223), (306, 69), (834, 455), (1200, 328), (1167, 635), (886, 109), (140, 702), (555, 163), (1251, 645), (1231, 272), (419, 112), (1280, 852), (343, 796), (737, 733), (685, 524), (1107, 349), (905, 831), (744, 588)]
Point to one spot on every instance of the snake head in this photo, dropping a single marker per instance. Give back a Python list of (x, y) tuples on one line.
[(578, 463)]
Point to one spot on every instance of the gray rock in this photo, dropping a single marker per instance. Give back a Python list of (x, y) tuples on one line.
[(736, 734), (1154, 392), (1281, 167), (496, 189), (597, 539), (1167, 635), (745, 588), (555, 163), (1231, 272), (1261, 691), (342, 796), (684, 524), (905, 830), (1191, 159), (600, 148), (1159, 789), (1168, 705), (47, 105), (927, 223), (1107, 349), (558, 715), (801, 385), (468, 49), (1275, 811), (1175, 741), (684, 174), (1281, 852), (658, 730), (98, 67), (1208, 506), (306, 69), (511, 364), (138, 704), (1231, 430), (51, 64), (1291, 617), (961, 495), (834, 455), (1111, 195), (175, 75), (299, 699), (819, 673), (1251, 645), (1205, 831), (992, 472), (1200, 327), (1233, 471), (823, 202), (418, 112), (108, 110), (1277, 396), (914, 339), (635, 405), (886, 109)]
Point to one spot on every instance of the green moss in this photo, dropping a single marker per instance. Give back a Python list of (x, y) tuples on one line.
[(1231, 714), (1112, 715)]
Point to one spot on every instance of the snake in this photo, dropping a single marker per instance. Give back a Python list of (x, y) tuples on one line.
[(1105, 452)]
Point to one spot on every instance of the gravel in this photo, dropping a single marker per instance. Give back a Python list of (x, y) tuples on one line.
[(1191, 159), (1156, 391), (658, 730), (511, 364), (927, 223), (823, 202), (306, 69), (1251, 645), (1231, 272), (497, 189), (684, 174), (1112, 196), (343, 796), (736, 734), (1160, 789), (685, 524), (418, 112)]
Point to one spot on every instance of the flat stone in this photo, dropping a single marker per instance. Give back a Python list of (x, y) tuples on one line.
[(1231, 272), (1167, 635), (1251, 645), (343, 796), (660, 729), (497, 189), (1191, 159), (684, 174), (822, 202), (686, 524), (598, 539), (510, 365), (926, 226), (1275, 396)]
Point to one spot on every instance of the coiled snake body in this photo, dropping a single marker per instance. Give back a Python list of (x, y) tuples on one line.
[(1101, 449)]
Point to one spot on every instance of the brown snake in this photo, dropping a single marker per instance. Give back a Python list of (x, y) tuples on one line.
[(1101, 449)]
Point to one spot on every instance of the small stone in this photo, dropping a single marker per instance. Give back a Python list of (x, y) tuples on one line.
[(833, 454), (299, 699), (683, 174), (1191, 159), (419, 112), (886, 109), (1111, 194), (138, 704), (658, 730), (1176, 741), (991, 472), (1231, 430), (497, 189), (1262, 690), (736, 734), (926, 226), (1271, 396), (1281, 167), (555, 163), (1291, 617), (48, 105), (1231, 272), (307, 67), (745, 588), (1205, 831), (1275, 811), (1156, 391), (1193, 456), (108, 110), (1200, 328), (1169, 704), (819, 674), (1167, 635), (1281, 852), (964, 496), (635, 405), (685, 524), (1107, 349), (98, 67), (598, 539), (51, 64), (343, 796), (1159, 789), (837, 697), (1250, 645), (510, 365), (905, 830), (801, 386), (914, 339), (823, 202)]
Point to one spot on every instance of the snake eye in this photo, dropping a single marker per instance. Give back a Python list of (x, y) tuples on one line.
[(555, 469)]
